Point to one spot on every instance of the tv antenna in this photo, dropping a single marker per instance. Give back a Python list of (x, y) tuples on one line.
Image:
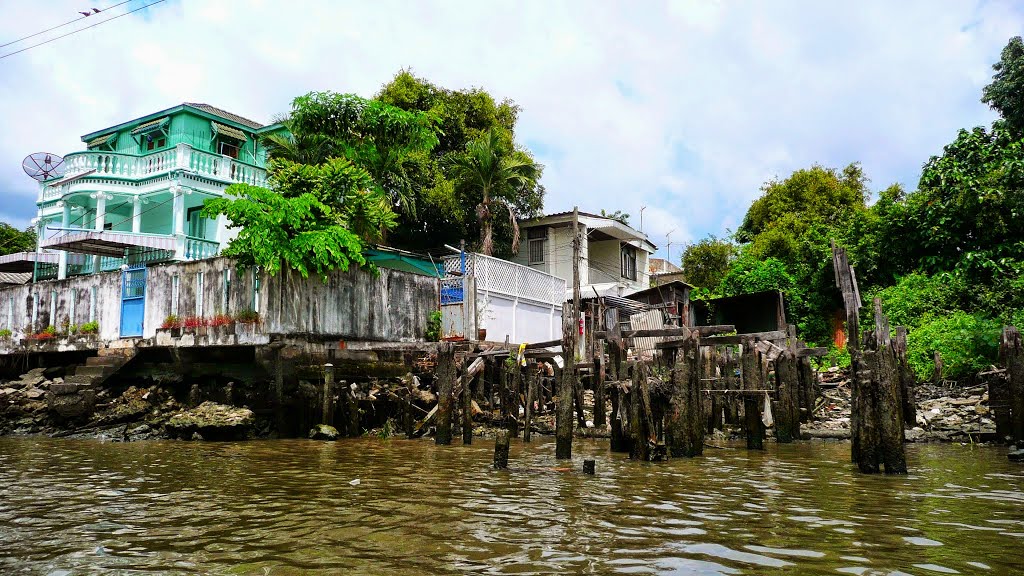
[(43, 166)]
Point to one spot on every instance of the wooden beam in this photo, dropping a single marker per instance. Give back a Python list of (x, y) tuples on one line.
[(738, 338), (809, 352), (672, 331)]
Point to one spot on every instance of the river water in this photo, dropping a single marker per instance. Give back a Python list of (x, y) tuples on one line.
[(294, 507)]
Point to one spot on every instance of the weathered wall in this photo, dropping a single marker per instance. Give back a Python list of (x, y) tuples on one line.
[(354, 305)]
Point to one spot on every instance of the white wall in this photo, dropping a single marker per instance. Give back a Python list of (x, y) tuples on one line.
[(557, 254)]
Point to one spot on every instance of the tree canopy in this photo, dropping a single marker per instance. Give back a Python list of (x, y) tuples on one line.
[(14, 240)]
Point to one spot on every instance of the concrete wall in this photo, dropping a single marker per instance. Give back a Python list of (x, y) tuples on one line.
[(351, 305)]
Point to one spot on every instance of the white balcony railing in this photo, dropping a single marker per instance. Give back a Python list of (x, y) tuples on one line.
[(133, 167)]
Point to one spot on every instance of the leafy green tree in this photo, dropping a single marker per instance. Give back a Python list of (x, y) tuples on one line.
[(500, 173), (707, 262), (14, 240), (447, 203), (315, 219), (1005, 93)]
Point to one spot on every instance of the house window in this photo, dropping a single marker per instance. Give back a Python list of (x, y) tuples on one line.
[(53, 308), (536, 238), (10, 313), (35, 311), (154, 141), (228, 148), (225, 295), (628, 262), (71, 306), (92, 304)]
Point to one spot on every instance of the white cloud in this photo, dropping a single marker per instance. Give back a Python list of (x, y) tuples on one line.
[(683, 107)]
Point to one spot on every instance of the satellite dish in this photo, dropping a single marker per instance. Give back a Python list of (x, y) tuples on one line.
[(43, 166)]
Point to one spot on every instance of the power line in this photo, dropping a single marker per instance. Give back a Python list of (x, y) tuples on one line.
[(95, 11), (81, 29)]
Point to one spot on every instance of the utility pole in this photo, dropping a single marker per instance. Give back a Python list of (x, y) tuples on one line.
[(642, 208), (668, 246), (570, 327)]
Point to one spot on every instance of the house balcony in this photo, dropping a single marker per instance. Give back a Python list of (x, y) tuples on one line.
[(79, 252), (81, 168)]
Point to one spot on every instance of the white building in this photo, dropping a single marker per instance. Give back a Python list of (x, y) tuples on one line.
[(613, 259)]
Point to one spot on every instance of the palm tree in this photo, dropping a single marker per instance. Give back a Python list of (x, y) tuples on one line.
[(498, 171)]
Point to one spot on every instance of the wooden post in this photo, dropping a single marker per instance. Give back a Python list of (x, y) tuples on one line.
[(808, 388), (355, 429), (467, 405), (732, 383), (999, 401), (410, 418), (513, 375), (570, 321), (1012, 352), (501, 443), (865, 405), (445, 375), (907, 378), (685, 430), (641, 448), (753, 380), (279, 411), (787, 417), (589, 467), (600, 416), (328, 395), (581, 416), (531, 386)]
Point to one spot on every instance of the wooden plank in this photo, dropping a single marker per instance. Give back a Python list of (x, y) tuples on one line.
[(665, 332), (811, 352), (732, 339)]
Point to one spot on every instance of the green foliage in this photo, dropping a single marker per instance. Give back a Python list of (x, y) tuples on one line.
[(967, 344), (1006, 92), (493, 166), (839, 357), (618, 215), (5, 334), (14, 240), (247, 316), (90, 328), (279, 230), (917, 297), (448, 203), (707, 262), (434, 326)]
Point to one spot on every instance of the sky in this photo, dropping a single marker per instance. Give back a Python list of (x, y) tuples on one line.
[(685, 108)]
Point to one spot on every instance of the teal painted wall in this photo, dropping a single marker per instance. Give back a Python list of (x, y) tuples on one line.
[(190, 128)]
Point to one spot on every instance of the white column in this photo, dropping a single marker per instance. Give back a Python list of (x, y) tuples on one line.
[(178, 212), (101, 210), (62, 258), (184, 156), (137, 214)]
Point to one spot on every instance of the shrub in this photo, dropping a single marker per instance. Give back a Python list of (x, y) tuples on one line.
[(172, 321), (916, 298), (967, 343), (220, 320), (434, 326), (90, 328), (248, 316), (50, 330), (836, 357), (194, 322), (5, 334)]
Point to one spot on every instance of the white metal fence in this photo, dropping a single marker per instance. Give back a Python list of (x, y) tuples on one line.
[(510, 300)]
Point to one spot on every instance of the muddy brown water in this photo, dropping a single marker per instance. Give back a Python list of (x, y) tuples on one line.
[(292, 507)]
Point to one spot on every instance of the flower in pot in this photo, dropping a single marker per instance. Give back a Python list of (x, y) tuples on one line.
[(172, 323), (90, 329), (224, 324)]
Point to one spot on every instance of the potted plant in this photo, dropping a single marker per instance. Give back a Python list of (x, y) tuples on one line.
[(195, 325), (223, 324), (172, 323), (5, 336), (90, 330)]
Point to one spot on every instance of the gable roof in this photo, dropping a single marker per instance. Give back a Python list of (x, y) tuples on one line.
[(224, 114), (14, 277)]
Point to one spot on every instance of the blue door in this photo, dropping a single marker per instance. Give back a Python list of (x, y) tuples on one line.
[(133, 301)]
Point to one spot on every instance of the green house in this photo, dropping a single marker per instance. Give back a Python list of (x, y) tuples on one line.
[(134, 195)]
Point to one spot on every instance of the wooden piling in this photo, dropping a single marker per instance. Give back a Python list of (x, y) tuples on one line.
[(907, 378), (327, 401), (808, 389), (566, 387), (684, 432), (999, 401), (890, 403), (409, 419), (600, 415), (589, 467), (514, 375), (353, 425), (639, 434), (531, 393), (787, 416), (753, 380), (867, 437), (1011, 350), (445, 375), (501, 444), (467, 407)]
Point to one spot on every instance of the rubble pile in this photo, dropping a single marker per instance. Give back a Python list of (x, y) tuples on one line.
[(945, 412)]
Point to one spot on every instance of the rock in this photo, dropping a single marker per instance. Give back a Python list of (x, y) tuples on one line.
[(979, 409), (1016, 455), (6, 391), (323, 432), (212, 421), (35, 394), (31, 381), (72, 405)]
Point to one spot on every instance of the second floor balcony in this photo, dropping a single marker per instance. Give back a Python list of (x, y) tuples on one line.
[(81, 167)]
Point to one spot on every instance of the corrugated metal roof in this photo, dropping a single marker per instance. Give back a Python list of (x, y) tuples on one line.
[(222, 130), (149, 126), (224, 114), (15, 277), (101, 140)]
